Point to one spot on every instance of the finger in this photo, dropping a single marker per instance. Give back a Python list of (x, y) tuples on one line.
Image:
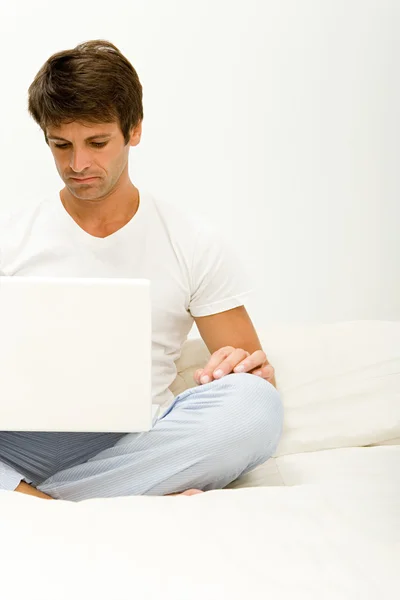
[(197, 374), (227, 365), (216, 358), (267, 372), (257, 359)]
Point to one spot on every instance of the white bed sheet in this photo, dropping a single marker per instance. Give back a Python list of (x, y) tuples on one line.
[(325, 541)]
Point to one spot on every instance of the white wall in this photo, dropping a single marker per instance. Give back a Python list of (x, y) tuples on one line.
[(278, 120)]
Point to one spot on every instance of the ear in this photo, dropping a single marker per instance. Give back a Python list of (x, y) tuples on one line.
[(136, 133)]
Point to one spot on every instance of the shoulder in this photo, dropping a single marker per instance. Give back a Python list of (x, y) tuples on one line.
[(16, 221), (10, 219), (183, 223), (177, 226), (24, 213), (169, 213)]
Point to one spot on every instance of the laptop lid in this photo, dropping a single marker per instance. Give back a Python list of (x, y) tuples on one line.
[(75, 354)]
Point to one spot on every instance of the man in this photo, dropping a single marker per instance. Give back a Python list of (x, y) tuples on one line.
[(88, 102)]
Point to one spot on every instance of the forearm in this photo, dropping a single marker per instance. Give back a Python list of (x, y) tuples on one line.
[(25, 488)]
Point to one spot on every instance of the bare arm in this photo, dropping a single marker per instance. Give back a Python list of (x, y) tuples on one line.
[(230, 328)]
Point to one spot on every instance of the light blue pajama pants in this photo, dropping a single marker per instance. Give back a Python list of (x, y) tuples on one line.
[(210, 435)]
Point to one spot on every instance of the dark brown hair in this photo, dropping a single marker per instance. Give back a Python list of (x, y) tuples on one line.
[(92, 82)]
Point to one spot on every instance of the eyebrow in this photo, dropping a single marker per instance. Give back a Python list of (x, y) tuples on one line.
[(92, 137)]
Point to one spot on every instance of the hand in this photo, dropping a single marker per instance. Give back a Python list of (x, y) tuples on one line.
[(235, 360)]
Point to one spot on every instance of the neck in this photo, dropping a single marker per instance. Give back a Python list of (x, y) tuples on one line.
[(103, 216)]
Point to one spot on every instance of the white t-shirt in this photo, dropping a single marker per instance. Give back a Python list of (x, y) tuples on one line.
[(193, 272)]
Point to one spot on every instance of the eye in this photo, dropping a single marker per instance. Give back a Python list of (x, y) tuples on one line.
[(95, 144)]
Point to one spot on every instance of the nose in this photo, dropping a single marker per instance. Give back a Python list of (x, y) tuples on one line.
[(80, 160)]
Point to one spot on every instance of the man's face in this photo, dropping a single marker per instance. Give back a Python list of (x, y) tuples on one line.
[(93, 151)]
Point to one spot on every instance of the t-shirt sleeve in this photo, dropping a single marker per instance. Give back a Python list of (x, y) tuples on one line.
[(219, 280)]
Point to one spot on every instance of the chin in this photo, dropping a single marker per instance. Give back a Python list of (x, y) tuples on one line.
[(84, 194)]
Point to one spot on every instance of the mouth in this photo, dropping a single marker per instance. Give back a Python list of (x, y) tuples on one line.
[(85, 180)]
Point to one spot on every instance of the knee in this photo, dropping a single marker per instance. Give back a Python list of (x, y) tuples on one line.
[(255, 412)]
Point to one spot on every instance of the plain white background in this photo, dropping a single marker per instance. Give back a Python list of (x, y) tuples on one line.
[(278, 121)]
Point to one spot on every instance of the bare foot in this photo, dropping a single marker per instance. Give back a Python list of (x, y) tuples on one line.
[(26, 488), (191, 492)]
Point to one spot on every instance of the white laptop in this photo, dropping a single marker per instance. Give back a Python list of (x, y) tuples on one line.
[(75, 354)]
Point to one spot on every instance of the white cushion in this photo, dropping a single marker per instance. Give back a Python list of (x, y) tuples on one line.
[(340, 382)]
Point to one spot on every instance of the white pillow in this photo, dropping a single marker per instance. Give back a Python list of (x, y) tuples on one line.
[(340, 382)]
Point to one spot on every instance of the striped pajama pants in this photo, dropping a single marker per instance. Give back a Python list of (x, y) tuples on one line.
[(209, 436)]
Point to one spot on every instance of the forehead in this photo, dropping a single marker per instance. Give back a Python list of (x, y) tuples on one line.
[(79, 130)]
